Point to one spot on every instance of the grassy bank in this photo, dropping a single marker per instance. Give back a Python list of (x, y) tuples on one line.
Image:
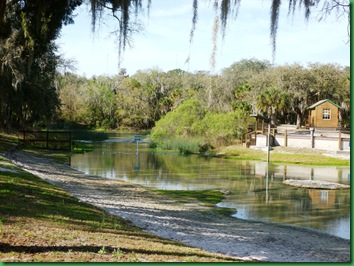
[(283, 155), (40, 222)]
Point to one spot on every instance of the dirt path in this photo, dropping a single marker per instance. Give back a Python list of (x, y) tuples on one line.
[(169, 219)]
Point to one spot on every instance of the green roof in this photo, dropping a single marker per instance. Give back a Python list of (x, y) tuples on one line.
[(321, 102)]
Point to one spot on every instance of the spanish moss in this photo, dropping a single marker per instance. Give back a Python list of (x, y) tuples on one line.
[(122, 9), (274, 19), (215, 41), (194, 20)]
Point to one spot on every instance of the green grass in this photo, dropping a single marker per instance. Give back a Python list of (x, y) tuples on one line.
[(294, 156), (185, 146), (8, 141), (204, 198)]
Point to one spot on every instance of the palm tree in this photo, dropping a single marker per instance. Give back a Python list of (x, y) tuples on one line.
[(272, 101)]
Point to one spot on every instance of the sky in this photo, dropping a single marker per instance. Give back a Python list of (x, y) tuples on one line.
[(164, 41)]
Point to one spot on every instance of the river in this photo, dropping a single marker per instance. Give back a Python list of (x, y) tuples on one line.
[(253, 188)]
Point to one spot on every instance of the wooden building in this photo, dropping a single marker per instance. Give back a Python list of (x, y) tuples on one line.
[(323, 114)]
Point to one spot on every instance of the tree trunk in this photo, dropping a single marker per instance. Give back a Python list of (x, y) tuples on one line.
[(298, 120)]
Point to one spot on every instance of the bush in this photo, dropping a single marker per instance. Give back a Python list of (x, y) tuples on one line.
[(189, 122), (179, 121)]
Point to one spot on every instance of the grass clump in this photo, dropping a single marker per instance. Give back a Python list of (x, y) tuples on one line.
[(204, 198), (184, 146)]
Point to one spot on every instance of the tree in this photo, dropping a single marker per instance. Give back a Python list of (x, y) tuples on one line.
[(101, 103), (235, 82), (296, 80), (28, 60), (331, 81), (134, 108), (273, 101), (305, 86)]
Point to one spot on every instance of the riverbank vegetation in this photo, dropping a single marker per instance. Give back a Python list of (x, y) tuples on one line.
[(216, 107), (186, 146), (213, 109), (248, 86)]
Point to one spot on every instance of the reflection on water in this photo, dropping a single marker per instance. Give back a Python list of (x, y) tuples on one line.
[(256, 190)]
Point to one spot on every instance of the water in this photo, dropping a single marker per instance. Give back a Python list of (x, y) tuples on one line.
[(255, 189)]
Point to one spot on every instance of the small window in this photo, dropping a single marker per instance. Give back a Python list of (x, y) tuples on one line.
[(326, 114)]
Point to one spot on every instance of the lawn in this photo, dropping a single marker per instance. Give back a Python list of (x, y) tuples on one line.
[(283, 155)]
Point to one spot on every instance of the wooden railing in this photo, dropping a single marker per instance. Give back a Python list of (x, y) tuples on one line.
[(54, 140), (250, 137)]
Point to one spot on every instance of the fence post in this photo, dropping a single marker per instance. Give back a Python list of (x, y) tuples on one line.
[(69, 140), (340, 140), (312, 137), (286, 138), (47, 140)]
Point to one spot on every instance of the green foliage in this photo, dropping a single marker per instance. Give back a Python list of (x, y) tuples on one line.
[(221, 128), (178, 105), (273, 101), (190, 120), (179, 122), (28, 61)]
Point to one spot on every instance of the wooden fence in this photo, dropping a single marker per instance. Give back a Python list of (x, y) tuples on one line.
[(54, 140)]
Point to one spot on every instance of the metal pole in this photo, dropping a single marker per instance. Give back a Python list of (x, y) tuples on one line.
[(268, 151), (267, 188)]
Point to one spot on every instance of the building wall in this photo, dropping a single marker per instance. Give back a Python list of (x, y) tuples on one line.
[(317, 119), (322, 143)]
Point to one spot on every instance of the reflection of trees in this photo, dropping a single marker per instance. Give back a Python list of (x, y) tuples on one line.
[(296, 205), (280, 203)]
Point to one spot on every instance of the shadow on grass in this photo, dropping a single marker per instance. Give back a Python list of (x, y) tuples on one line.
[(5, 248)]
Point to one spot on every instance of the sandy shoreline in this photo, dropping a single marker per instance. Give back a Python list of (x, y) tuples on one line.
[(169, 219)]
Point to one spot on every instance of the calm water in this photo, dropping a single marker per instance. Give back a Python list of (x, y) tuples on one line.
[(256, 190)]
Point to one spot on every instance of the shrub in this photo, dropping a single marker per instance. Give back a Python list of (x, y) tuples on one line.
[(179, 121), (190, 128)]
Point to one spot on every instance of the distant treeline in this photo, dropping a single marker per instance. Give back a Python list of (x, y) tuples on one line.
[(180, 103)]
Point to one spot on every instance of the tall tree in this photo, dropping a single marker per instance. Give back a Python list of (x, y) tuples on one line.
[(273, 101), (28, 60)]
